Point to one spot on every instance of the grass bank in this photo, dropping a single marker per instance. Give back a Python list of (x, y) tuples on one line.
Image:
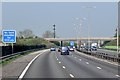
[(12, 58)]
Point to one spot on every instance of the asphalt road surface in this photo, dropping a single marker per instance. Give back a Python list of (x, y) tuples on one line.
[(54, 65)]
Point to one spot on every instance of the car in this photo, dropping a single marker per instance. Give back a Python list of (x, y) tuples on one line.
[(64, 51), (88, 48), (52, 49), (71, 49), (94, 48)]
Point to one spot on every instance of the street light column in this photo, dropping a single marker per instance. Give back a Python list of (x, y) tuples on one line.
[(117, 40), (54, 29)]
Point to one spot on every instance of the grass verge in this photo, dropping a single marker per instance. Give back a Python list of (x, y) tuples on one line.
[(12, 58), (114, 48)]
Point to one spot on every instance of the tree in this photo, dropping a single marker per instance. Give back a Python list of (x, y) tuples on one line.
[(20, 34), (55, 42), (105, 42), (48, 34), (26, 34)]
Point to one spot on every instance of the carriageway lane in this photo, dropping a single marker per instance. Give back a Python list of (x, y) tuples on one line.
[(46, 66), (81, 68), (106, 66), (54, 65)]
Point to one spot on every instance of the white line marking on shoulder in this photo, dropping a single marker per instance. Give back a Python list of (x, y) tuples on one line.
[(25, 70)]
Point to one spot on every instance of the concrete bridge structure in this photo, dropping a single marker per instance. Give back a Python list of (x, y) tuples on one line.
[(98, 40), (75, 39)]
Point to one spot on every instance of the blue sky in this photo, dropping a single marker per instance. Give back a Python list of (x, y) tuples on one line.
[(59, 0), (39, 17)]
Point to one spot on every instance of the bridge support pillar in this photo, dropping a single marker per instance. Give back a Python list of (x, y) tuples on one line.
[(61, 43), (99, 43)]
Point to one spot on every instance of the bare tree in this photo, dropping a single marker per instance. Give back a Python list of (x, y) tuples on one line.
[(48, 34), (26, 34), (20, 34)]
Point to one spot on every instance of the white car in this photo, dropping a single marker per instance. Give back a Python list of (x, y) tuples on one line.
[(71, 49)]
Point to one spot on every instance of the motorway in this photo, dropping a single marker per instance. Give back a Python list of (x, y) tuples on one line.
[(75, 65)]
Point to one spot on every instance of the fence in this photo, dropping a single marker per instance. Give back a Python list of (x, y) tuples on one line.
[(7, 50), (114, 58)]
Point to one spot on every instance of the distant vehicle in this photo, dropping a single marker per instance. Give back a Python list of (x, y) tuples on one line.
[(71, 49), (88, 48), (94, 44), (52, 49), (94, 48), (64, 51)]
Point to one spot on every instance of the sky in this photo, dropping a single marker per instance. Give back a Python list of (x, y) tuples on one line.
[(98, 19), (60, 0)]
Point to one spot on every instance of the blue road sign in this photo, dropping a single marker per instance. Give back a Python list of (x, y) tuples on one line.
[(9, 36), (71, 43)]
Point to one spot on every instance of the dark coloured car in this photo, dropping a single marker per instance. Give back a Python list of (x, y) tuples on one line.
[(88, 48), (64, 51), (94, 48)]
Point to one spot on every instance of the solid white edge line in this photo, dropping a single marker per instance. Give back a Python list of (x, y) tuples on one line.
[(71, 76), (25, 70), (99, 67)]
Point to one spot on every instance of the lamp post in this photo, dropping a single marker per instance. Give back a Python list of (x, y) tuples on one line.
[(117, 31), (54, 29), (78, 30), (89, 14)]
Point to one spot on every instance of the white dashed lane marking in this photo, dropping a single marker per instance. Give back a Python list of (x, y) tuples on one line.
[(87, 62), (63, 67), (75, 57), (99, 67), (71, 76), (59, 62), (117, 75), (80, 59)]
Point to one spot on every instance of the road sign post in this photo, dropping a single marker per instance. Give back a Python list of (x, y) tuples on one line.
[(71, 43), (12, 48), (9, 36)]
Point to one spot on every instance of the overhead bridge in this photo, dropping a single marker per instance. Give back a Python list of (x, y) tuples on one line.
[(75, 39)]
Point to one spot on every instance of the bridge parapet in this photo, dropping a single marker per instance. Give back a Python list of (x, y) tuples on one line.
[(75, 39)]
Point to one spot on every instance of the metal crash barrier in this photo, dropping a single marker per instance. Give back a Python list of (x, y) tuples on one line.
[(105, 56)]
